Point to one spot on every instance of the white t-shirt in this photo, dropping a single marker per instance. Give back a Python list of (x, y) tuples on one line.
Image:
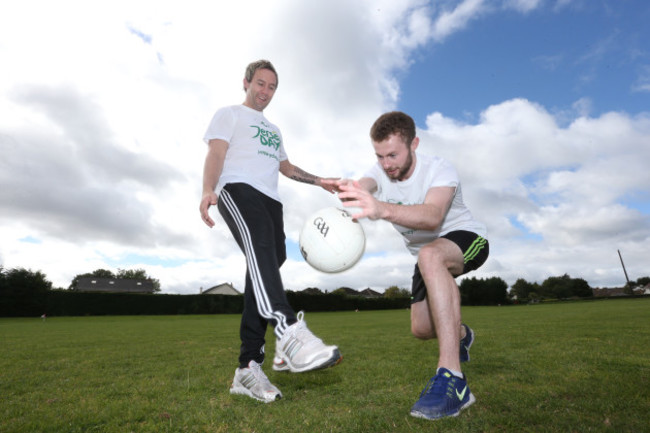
[(430, 172), (255, 148)]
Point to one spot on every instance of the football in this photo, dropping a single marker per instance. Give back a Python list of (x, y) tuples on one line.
[(331, 241)]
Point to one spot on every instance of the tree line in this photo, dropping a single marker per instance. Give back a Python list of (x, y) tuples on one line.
[(473, 291), (563, 287), (21, 280), (132, 274)]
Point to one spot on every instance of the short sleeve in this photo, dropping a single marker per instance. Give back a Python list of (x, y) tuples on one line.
[(222, 126)]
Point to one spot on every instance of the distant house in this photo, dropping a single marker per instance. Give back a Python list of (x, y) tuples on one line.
[(609, 292), (347, 291), (642, 290), (114, 285), (221, 289), (312, 291), (369, 293)]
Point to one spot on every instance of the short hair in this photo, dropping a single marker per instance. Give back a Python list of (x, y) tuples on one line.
[(260, 64), (394, 122)]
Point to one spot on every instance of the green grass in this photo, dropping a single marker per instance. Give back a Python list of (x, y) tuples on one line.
[(569, 367)]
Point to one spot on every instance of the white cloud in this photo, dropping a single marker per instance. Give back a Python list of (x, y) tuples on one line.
[(523, 6), (567, 186), (643, 81), (451, 21)]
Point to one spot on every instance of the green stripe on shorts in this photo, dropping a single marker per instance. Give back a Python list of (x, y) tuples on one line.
[(474, 249)]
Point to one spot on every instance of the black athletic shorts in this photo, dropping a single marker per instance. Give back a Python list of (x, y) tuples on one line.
[(475, 250)]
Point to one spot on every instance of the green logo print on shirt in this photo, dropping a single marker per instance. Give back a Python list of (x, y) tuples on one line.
[(267, 138)]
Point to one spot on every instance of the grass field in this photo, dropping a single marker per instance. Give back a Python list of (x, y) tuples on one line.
[(569, 367)]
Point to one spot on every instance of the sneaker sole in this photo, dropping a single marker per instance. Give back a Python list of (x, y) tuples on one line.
[(418, 414), (285, 365), (241, 390)]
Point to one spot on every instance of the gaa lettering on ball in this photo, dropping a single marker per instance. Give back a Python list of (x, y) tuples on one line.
[(331, 241), (321, 226)]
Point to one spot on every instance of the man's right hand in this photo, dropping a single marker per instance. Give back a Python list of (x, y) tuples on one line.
[(209, 199)]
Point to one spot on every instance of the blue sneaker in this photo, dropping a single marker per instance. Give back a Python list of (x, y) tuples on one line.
[(445, 395), (466, 343)]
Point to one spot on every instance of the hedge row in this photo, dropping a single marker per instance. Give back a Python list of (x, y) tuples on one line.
[(68, 303)]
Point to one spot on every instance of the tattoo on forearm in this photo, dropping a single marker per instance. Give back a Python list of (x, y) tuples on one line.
[(302, 176)]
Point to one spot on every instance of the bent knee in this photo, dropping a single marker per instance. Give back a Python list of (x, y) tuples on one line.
[(436, 256), (422, 332), (430, 257), (428, 252)]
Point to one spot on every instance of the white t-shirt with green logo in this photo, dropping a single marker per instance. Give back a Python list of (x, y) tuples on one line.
[(430, 172), (255, 148)]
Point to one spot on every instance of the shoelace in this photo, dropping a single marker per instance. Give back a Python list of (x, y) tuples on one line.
[(253, 370), (302, 333), (434, 385), (258, 374)]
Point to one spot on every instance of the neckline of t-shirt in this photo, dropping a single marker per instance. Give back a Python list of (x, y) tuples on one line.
[(252, 110)]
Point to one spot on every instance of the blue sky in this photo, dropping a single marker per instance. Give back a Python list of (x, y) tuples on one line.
[(543, 106), (596, 50)]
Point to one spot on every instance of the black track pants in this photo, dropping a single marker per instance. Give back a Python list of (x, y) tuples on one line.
[(256, 222)]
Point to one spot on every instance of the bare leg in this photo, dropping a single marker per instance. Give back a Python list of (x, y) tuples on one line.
[(438, 262), (422, 326)]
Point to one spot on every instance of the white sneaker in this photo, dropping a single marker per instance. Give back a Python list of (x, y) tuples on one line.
[(299, 350), (252, 381)]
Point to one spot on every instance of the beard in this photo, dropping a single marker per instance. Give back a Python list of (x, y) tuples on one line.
[(403, 170)]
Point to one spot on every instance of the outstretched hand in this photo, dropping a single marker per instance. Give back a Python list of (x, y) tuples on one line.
[(329, 184), (353, 195)]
